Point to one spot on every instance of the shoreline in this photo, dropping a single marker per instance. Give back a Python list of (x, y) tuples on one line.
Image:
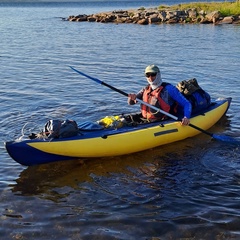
[(157, 16)]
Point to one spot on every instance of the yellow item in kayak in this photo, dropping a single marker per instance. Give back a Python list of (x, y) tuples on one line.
[(112, 122)]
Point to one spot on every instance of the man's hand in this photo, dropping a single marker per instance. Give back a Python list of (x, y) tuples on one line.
[(131, 98), (185, 121)]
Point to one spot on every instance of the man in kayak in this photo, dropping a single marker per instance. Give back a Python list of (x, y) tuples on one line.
[(161, 95)]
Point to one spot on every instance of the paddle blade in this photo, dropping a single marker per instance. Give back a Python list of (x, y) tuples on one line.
[(225, 139)]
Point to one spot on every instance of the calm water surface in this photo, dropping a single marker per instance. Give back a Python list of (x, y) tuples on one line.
[(187, 190)]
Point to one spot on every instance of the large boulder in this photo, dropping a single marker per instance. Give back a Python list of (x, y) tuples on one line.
[(227, 20), (143, 21), (213, 16)]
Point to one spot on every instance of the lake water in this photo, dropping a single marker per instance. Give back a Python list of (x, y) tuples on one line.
[(185, 190)]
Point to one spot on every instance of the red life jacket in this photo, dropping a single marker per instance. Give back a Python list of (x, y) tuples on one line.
[(154, 98)]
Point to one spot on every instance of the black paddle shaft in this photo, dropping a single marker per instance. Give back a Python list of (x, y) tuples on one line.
[(114, 89)]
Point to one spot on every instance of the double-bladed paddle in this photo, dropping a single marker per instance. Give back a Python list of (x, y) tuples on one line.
[(217, 137)]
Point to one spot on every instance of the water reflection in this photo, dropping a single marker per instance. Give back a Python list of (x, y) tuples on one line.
[(144, 168), (167, 190)]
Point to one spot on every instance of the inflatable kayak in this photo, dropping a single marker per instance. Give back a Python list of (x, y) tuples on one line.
[(113, 141)]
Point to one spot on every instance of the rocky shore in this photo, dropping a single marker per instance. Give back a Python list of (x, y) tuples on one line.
[(156, 16)]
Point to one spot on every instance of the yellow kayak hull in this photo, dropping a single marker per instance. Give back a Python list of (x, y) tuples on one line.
[(130, 142), (116, 141)]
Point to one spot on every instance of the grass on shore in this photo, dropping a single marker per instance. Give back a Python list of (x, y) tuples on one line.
[(225, 8)]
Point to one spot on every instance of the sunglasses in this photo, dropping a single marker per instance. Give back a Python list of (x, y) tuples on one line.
[(150, 75)]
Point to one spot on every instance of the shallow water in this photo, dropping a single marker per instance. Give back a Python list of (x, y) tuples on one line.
[(188, 189)]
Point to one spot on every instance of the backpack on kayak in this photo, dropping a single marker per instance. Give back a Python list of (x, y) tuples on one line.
[(57, 129), (191, 90), (60, 128)]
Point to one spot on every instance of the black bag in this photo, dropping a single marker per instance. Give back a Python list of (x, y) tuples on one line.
[(60, 129)]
